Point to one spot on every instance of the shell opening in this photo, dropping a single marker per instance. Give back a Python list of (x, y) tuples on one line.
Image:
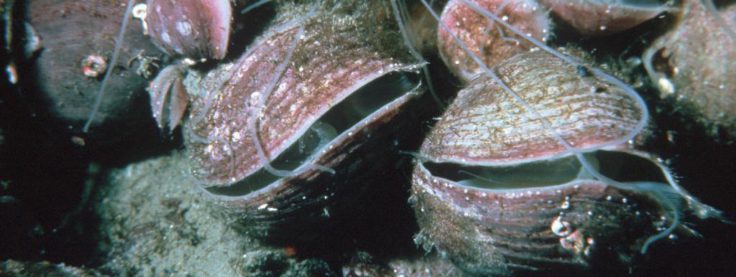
[(700, 209), (340, 119), (622, 167), (298, 154), (617, 169), (255, 111)]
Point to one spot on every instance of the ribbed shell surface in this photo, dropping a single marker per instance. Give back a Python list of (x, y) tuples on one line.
[(485, 38), (486, 125), (328, 64)]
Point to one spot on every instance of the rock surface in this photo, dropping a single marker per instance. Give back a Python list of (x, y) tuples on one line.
[(156, 223)]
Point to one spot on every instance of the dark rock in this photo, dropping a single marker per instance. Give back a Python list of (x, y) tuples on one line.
[(63, 77)]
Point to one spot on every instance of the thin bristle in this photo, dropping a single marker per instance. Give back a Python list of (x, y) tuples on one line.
[(597, 72), (400, 12), (255, 111), (534, 114), (253, 6), (113, 62)]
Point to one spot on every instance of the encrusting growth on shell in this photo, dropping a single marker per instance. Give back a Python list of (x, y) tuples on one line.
[(664, 192), (274, 133), (487, 39), (553, 91), (505, 190)]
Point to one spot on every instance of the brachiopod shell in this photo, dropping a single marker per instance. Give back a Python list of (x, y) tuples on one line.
[(169, 99), (484, 38), (495, 191), (603, 17), (195, 29), (321, 97)]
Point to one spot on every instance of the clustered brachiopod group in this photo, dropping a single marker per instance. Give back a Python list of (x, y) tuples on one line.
[(537, 163)]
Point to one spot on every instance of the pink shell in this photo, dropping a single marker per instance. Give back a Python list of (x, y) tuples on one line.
[(497, 232), (496, 193), (598, 17), (486, 39), (196, 29), (169, 98), (329, 65), (486, 126), (318, 78)]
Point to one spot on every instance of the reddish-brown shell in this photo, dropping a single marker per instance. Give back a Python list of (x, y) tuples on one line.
[(332, 61), (484, 38), (493, 230), (328, 65), (169, 99), (196, 29), (602, 17), (486, 126)]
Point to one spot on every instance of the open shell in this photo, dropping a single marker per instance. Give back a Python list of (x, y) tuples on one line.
[(495, 192), (330, 101)]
